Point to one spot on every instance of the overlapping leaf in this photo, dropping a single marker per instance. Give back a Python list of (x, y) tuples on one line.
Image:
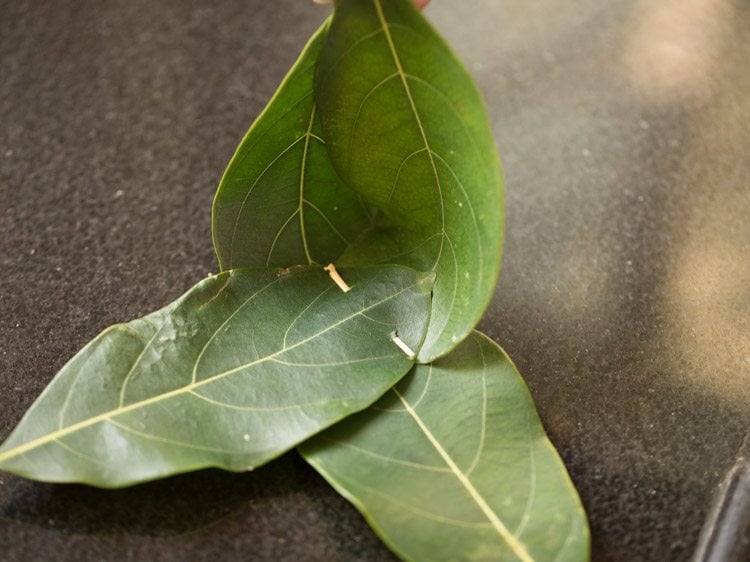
[(243, 367), (280, 202), (406, 128), (453, 464)]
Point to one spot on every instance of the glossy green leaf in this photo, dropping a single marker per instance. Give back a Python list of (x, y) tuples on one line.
[(241, 368), (406, 128), (454, 464), (280, 203)]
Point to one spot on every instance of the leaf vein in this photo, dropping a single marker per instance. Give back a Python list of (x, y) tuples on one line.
[(249, 192), (424, 390), (221, 327), (362, 105), (474, 220), (302, 313), (336, 363), (533, 481), (106, 416), (328, 221), (451, 105), (259, 408), (412, 104), (423, 512), (515, 545), (301, 206), (78, 453), (483, 429), (387, 458), (167, 441), (398, 172), (278, 235), (137, 361)]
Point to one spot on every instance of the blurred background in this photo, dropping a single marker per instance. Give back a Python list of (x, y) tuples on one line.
[(624, 299)]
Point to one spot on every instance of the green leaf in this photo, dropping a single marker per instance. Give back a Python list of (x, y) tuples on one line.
[(241, 368), (280, 202), (454, 464), (406, 128)]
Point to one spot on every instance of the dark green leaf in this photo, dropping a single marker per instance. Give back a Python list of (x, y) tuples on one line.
[(280, 203), (453, 464), (244, 366), (406, 128)]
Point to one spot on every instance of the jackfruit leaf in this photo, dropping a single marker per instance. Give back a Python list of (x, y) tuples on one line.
[(243, 367), (453, 464), (280, 203), (406, 128)]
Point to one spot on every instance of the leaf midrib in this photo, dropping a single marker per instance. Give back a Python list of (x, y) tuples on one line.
[(250, 191), (516, 546), (43, 440), (302, 188), (402, 75), (300, 210)]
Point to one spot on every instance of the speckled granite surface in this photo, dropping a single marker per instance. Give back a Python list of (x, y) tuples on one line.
[(624, 293)]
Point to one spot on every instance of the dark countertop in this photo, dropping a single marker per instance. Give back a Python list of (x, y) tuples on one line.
[(624, 295)]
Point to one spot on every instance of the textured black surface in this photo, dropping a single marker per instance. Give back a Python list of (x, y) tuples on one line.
[(624, 295)]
